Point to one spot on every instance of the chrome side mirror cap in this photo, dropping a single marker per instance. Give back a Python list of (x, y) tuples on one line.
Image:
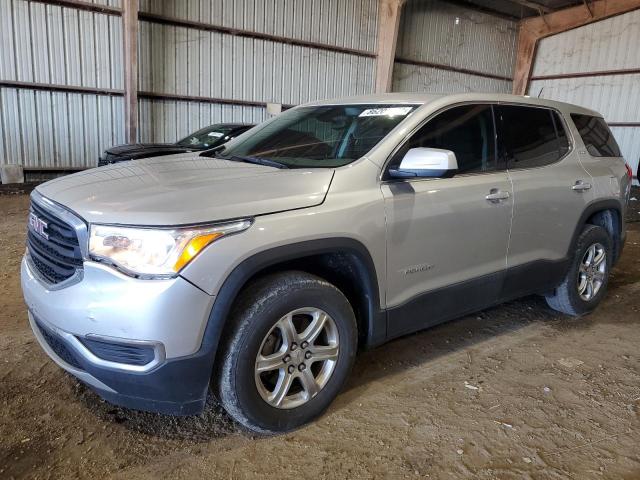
[(426, 162)]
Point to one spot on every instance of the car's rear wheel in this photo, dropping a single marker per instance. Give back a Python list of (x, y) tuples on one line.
[(290, 348), (586, 281)]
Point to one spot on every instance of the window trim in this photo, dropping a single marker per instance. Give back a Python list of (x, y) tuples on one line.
[(500, 168), (568, 131)]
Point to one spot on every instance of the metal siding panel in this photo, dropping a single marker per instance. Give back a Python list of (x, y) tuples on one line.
[(348, 23), (45, 138), (11, 125), (22, 38), (610, 44), (616, 97), (437, 32), (28, 127), (87, 49), (39, 42), (72, 47), (115, 52), (55, 39), (60, 127), (412, 78), (75, 131), (90, 143), (7, 52), (105, 120)]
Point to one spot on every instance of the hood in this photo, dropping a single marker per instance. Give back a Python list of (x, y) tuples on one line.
[(141, 150), (185, 189)]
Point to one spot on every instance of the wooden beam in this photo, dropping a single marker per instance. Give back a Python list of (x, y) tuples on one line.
[(389, 21), (130, 31), (532, 30)]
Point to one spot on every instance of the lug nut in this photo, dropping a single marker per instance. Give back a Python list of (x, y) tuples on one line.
[(287, 358), (304, 344), (291, 369), (294, 346), (307, 355), (301, 367)]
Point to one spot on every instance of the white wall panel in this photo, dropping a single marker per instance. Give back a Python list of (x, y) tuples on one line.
[(610, 44), (443, 33), (193, 62), (415, 78), (344, 23), (66, 46), (168, 120), (56, 129)]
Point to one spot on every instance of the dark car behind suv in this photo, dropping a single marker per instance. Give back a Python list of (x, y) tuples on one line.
[(208, 137)]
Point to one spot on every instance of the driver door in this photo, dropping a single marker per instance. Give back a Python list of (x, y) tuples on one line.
[(446, 242)]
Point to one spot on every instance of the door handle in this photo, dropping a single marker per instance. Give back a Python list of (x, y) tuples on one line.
[(496, 195), (581, 186)]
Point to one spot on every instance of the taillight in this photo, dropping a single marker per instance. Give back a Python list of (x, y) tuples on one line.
[(629, 171)]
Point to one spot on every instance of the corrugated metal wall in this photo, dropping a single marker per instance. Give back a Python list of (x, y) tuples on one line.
[(229, 77), (195, 62), (606, 46), (456, 38), (64, 46)]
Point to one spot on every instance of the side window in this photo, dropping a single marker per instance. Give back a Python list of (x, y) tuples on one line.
[(467, 131), (596, 136), (531, 136)]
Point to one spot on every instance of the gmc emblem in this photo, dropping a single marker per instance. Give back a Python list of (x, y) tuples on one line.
[(38, 225)]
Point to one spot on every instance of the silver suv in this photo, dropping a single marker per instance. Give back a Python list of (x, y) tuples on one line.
[(259, 268)]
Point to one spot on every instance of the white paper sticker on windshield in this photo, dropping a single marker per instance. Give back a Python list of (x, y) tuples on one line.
[(389, 111), (215, 134)]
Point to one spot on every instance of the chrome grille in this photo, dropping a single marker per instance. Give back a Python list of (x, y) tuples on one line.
[(55, 249)]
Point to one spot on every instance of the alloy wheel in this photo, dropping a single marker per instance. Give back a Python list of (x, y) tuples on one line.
[(592, 271), (297, 357)]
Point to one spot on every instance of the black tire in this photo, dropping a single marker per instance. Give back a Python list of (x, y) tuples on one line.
[(566, 298), (261, 305)]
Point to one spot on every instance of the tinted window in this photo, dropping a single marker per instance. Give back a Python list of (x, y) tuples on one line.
[(530, 136), (596, 136), (467, 131)]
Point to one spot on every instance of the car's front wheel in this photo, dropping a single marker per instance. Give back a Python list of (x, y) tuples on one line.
[(289, 350)]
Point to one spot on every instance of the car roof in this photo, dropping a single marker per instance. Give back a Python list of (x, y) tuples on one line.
[(428, 98)]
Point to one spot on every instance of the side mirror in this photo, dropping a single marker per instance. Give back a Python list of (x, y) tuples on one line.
[(426, 162)]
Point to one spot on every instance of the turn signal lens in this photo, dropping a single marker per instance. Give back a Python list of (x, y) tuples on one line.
[(193, 248)]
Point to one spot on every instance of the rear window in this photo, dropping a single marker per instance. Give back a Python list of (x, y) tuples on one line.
[(597, 137), (531, 136)]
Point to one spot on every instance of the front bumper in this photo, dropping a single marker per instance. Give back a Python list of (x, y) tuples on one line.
[(165, 317)]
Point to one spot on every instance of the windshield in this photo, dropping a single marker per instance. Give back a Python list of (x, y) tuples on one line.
[(207, 137), (321, 136)]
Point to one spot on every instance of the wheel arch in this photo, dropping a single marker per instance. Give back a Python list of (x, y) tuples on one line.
[(607, 214), (310, 256)]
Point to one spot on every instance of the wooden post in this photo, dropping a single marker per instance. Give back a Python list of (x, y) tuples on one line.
[(532, 30), (389, 21), (130, 30)]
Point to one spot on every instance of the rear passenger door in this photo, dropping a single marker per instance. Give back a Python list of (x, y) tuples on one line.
[(550, 193)]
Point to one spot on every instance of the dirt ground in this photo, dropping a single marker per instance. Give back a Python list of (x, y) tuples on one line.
[(517, 391)]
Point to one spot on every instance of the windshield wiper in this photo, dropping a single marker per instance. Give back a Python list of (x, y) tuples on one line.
[(255, 160)]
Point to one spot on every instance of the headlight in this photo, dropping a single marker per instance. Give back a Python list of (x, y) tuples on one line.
[(155, 252)]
